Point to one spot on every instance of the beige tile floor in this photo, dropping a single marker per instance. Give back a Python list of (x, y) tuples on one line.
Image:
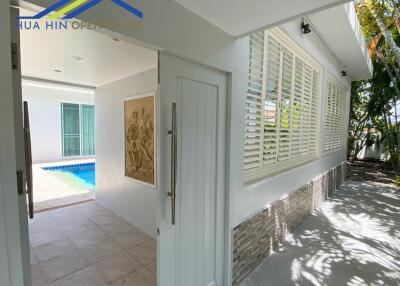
[(49, 191), (88, 245)]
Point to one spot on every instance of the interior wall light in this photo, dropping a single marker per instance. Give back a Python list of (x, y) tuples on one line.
[(77, 58)]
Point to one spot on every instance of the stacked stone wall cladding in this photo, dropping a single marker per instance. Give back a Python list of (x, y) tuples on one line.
[(257, 236)]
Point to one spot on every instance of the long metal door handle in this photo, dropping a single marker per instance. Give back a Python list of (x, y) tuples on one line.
[(28, 160), (173, 134)]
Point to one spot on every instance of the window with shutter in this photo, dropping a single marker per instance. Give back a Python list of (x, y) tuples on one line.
[(282, 105), (335, 133)]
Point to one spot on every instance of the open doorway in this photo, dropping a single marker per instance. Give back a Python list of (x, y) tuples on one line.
[(184, 209), (60, 90), (88, 93)]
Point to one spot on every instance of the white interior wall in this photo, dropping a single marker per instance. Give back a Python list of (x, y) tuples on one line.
[(135, 202), (45, 117)]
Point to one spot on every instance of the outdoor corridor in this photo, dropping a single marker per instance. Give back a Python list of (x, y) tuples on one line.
[(354, 240)]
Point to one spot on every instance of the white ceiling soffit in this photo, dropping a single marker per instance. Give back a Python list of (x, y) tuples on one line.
[(340, 29), (82, 57), (241, 17)]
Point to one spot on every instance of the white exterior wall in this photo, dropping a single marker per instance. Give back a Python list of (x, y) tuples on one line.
[(45, 117), (135, 202), (256, 196), (170, 27)]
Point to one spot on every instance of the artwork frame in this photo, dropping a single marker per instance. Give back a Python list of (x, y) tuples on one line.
[(131, 104)]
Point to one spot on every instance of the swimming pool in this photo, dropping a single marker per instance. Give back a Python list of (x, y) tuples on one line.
[(78, 175)]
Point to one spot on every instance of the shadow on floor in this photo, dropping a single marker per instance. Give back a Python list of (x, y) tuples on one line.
[(353, 240), (363, 171)]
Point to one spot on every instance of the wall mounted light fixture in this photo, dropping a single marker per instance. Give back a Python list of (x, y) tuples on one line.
[(305, 28)]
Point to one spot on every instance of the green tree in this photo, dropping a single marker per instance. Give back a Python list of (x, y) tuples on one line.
[(374, 102)]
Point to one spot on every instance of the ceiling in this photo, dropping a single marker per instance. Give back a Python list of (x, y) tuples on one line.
[(83, 57), (346, 40), (240, 17)]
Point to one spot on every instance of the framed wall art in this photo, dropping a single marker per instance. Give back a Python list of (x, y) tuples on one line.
[(140, 151)]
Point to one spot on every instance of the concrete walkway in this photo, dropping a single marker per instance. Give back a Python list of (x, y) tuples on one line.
[(354, 240)]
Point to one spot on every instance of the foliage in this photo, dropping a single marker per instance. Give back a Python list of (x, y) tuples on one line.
[(369, 26), (397, 180), (373, 102)]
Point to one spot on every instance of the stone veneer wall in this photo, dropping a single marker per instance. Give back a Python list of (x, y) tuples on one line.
[(254, 238)]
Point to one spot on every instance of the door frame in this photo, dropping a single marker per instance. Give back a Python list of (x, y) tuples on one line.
[(8, 177)]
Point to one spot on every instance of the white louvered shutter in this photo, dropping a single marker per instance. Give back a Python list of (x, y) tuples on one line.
[(282, 106), (285, 122), (254, 102), (315, 105), (334, 116), (271, 121), (297, 104)]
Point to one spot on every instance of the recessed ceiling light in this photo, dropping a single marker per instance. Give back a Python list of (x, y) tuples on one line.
[(77, 58), (57, 70)]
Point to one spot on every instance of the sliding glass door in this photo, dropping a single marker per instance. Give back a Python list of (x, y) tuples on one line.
[(87, 129), (70, 130), (77, 130)]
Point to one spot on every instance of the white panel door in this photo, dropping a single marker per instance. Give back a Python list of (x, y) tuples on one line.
[(191, 252), (14, 240)]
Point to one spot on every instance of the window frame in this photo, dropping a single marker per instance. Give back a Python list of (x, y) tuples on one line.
[(80, 131), (263, 171)]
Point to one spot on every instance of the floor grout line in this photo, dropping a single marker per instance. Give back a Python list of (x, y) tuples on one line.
[(108, 237)]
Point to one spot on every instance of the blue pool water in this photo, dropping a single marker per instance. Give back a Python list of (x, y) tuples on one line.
[(80, 175)]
